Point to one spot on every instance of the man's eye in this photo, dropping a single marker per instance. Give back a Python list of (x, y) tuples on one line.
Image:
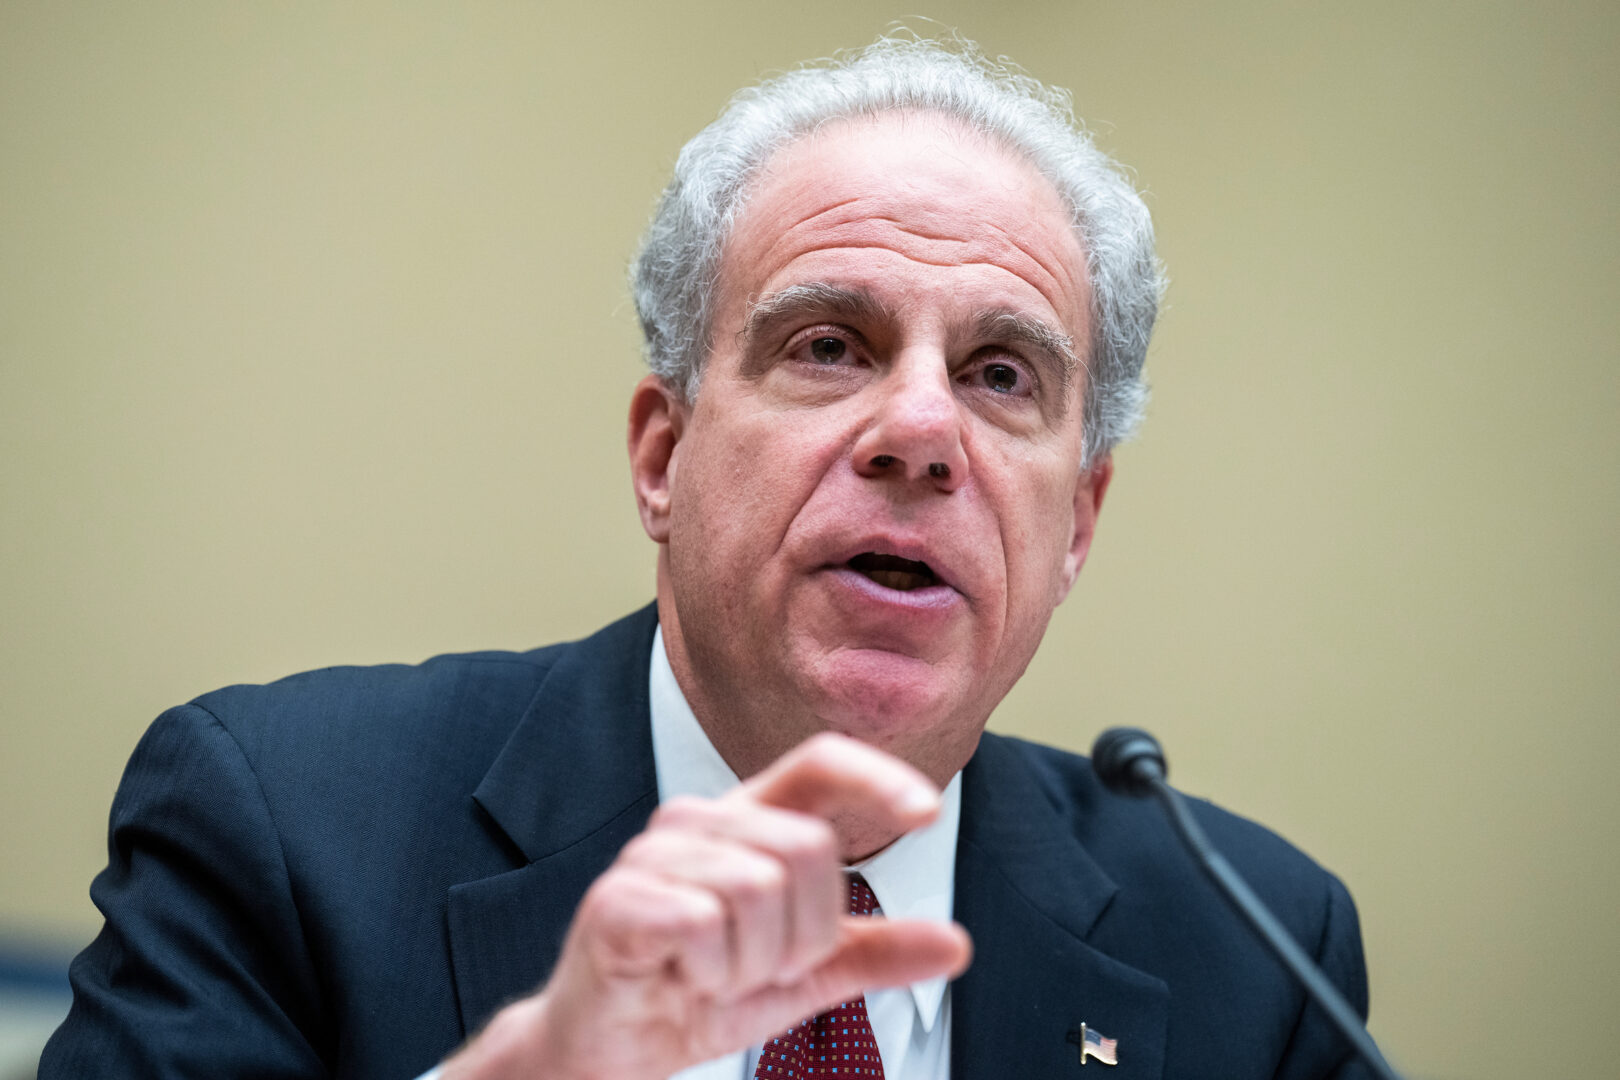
[(1002, 378), (827, 350)]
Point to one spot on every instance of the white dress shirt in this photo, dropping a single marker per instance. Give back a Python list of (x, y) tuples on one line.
[(914, 877)]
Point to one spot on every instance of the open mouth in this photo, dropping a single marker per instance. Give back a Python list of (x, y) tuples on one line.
[(893, 572)]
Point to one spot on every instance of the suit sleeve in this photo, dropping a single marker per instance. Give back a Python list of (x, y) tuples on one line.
[(1316, 1050), (201, 968)]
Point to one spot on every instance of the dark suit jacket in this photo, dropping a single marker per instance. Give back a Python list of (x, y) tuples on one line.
[(346, 872)]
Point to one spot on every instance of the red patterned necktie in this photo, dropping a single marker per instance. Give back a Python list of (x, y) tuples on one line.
[(836, 1043)]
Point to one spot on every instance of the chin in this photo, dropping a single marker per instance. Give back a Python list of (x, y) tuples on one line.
[(892, 702)]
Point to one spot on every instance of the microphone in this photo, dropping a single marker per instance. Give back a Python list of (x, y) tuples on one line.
[(1127, 760), (1130, 762)]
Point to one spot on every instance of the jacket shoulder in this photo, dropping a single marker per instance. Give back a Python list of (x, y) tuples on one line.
[(461, 695), (1132, 839), (401, 744)]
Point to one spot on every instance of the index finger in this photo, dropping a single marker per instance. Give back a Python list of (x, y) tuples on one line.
[(835, 777)]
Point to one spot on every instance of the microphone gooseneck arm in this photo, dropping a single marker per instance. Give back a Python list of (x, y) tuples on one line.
[(1130, 762)]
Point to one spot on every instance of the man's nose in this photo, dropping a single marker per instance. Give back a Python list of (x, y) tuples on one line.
[(916, 430)]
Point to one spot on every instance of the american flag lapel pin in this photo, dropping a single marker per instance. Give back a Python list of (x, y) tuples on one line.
[(1094, 1044)]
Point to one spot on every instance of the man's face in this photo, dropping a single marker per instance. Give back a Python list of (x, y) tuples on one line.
[(876, 500)]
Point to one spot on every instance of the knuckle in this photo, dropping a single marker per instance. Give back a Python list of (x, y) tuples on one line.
[(634, 924), (762, 881), (701, 916), (610, 900), (680, 810), (809, 841), (643, 848)]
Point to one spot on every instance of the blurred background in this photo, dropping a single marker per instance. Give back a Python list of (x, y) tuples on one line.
[(315, 348)]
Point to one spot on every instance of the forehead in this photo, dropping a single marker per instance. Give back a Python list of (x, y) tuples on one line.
[(909, 203)]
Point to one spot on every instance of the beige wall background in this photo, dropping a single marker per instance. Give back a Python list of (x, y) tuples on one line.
[(314, 347)]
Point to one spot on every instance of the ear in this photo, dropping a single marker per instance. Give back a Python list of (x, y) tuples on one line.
[(657, 420), (1089, 490)]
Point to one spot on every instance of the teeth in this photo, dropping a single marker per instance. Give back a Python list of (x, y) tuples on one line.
[(903, 580)]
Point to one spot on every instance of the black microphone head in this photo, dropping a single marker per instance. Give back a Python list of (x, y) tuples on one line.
[(1127, 759)]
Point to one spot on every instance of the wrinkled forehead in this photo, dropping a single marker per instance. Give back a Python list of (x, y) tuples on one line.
[(919, 183)]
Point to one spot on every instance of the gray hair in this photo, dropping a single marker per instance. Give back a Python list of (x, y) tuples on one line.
[(674, 273)]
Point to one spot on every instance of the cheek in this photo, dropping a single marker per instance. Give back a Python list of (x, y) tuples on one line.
[(742, 484), (1040, 550)]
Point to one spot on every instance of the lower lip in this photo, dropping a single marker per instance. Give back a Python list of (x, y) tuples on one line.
[(927, 600)]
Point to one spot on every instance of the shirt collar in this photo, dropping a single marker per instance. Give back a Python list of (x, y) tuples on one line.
[(912, 878)]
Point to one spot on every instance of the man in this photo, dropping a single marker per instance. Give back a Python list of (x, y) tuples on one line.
[(896, 309)]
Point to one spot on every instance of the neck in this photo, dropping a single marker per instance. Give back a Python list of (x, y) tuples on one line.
[(747, 746), (731, 722)]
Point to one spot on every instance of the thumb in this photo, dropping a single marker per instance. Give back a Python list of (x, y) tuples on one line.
[(874, 954)]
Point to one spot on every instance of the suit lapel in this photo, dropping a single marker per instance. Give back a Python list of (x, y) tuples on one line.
[(572, 785), (1030, 894)]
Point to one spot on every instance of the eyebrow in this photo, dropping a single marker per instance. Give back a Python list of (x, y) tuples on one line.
[(813, 299), (1052, 349)]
